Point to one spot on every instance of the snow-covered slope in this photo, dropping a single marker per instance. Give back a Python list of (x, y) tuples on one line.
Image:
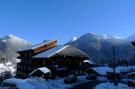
[(9, 45), (100, 48), (8, 57), (7, 67)]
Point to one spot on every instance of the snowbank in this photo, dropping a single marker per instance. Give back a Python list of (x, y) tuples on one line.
[(21, 84), (111, 86), (40, 83)]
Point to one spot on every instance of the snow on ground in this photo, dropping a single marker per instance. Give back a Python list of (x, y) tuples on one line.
[(7, 67), (21, 84), (40, 83), (111, 86)]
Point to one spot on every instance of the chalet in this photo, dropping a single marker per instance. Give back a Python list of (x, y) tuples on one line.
[(41, 72), (66, 58)]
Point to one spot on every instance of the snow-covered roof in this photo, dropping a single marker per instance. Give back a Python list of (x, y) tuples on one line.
[(132, 80), (132, 73), (102, 70), (88, 61), (44, 70), (37, 45), (67, 50)]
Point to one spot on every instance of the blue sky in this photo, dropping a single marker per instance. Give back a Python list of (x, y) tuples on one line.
[(37, 20)]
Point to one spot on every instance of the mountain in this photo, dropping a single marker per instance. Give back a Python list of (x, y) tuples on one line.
[(100, 48), (72, 40), (9, 45), (8, 56), (131, 38)]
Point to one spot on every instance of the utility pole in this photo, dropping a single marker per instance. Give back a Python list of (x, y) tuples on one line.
[(114, 65)]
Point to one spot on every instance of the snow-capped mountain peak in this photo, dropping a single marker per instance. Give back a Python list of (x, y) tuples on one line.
[(14, 40), (74, 39), (13, 37), (100, 47), (10, 36), (71, 40)]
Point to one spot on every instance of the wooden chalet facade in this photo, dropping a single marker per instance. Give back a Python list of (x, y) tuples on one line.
[(49, 54)]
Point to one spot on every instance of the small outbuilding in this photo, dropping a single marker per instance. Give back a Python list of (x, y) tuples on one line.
[(43, 72), (88, 63)]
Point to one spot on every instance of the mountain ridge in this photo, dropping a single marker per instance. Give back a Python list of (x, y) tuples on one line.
[(100, 48), (9, 45)]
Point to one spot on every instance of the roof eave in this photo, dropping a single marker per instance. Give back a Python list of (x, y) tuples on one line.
[(133, 43)]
